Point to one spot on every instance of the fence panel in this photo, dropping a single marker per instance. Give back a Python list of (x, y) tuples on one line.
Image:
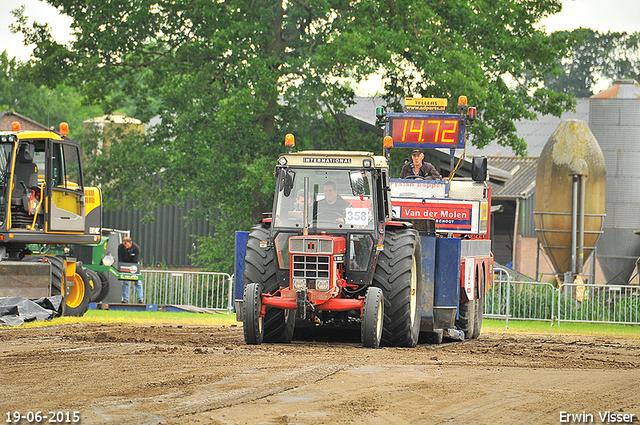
[(506, 299), (599, 304), (569, 303), (519, 300), (206, 290), (496, 302)]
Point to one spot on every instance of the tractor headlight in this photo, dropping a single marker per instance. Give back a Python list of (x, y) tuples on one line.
[(299, 284), (108, 260), (322, 284)]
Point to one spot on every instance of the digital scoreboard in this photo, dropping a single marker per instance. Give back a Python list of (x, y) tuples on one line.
[(421, 130)]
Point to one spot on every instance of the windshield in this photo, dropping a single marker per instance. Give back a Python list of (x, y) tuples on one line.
[(336, 199), (5, 173)]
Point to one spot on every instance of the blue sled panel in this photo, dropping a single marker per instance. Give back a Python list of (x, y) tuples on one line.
[(428, 278), (242, 238), (447, 282)]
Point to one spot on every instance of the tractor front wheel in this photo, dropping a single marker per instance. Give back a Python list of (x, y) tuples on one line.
[(372, 318), (252, 322), (260, 267)]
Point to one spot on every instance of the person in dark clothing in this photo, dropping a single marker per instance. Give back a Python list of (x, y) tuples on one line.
[(418, 168), (333, 207), (129, 252)]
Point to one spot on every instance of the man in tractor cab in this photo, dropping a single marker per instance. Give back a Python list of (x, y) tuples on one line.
[(418, 168), (333, 207)]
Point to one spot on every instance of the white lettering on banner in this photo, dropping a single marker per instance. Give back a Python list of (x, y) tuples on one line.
[(409, 184), (443, 214)]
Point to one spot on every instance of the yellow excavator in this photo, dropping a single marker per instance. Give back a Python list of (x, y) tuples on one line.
[(44, 202)]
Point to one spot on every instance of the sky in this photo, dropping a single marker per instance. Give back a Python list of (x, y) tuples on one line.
[(599, 15)]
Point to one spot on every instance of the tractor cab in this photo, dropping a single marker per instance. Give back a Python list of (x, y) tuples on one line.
[(340, 194)]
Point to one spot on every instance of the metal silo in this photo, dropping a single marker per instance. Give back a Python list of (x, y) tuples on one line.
[(614, 119), (570, 196)]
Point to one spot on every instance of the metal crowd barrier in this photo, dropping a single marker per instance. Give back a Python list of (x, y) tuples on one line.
[(509, 299), (599, 303), (207, 290)]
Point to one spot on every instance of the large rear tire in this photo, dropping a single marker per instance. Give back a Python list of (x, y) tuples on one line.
[(58, 275), (399, 274), (252, 324), (95, 283), (104, 290), (260, 267), (372, 318)]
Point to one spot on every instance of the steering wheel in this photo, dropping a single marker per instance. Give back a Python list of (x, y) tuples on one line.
[(329, 216), (414, 177)]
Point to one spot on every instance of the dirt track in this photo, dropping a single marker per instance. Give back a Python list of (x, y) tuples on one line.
[(174, 374)]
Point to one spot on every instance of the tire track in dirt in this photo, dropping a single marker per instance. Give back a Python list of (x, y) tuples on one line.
[(170, 374)]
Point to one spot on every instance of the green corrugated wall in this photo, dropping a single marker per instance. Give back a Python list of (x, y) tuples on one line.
[(167, 241)]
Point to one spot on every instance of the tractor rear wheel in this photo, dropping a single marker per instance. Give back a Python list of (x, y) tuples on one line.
[(104, 290), (260, 268), (399, 274), (372, 318), (252, 324), (95, 283)]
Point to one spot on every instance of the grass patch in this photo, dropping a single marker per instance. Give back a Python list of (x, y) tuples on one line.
[(141, 317), (565, 328)]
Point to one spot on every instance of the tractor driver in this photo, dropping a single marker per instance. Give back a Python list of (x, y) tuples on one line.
[(418, 168), (333, 207)]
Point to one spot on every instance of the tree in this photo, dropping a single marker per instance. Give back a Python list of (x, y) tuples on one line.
[(48, 106), (593, 55), (232, 77)]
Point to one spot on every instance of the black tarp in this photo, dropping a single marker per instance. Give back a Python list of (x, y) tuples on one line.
[(14, 311)]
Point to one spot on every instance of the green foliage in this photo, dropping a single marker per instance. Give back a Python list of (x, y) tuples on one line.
[(593, 55), (48, 106), (228, 79)]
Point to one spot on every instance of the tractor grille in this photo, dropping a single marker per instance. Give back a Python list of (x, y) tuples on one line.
[(311, 266), (310, 246)]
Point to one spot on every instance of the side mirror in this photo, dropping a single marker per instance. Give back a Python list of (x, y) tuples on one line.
[(479, 168), (288, 185), (358, 185), (286, 181)]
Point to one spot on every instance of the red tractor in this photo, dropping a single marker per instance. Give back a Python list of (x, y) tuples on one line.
[(336, 252)]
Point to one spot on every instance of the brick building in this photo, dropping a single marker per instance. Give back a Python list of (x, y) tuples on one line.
[(9, 117)]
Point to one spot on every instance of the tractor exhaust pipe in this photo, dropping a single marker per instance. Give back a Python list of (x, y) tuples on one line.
[(305, 209)]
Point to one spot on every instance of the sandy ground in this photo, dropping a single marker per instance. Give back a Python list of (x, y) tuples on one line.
[(180, 374)]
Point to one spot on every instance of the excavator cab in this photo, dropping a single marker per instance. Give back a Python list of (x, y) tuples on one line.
[(43, 200)]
